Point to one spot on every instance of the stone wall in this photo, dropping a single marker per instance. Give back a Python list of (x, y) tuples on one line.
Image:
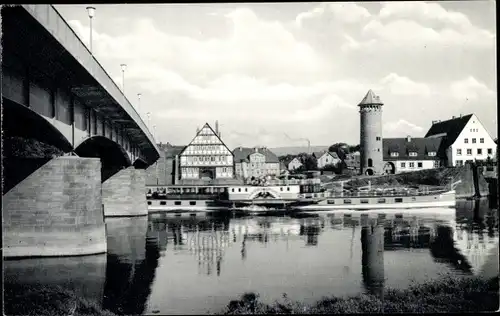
[(56, 211), (123, 194)]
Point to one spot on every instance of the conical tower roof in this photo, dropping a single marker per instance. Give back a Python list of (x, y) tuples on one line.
[(371, 99)]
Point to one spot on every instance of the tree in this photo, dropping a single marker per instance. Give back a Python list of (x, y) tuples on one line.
[(342, 149)]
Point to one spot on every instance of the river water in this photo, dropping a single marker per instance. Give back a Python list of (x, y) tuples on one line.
[(191, 265)]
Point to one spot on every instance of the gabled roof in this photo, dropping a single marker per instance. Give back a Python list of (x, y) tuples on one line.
[(319, 154), (422, 146), (371, 99), (451, 128), (242, 154), (206, 125)]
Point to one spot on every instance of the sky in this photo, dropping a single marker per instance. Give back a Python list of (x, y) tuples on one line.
[(275, 74)]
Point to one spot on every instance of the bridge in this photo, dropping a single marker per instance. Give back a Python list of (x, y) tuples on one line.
[(74, 148)]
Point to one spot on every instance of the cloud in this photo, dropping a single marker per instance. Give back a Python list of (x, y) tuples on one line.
[(425, 12), (401, 128), (347, 13), (410, 33), (470, 89), (253, 46), (400, 85)]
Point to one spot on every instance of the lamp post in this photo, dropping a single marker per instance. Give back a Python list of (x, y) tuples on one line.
[(149, 115), (139, 104), (124, 66), (154, 132), (91, 12)]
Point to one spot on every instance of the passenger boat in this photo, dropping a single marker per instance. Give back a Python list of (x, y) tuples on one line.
[(377, 199)]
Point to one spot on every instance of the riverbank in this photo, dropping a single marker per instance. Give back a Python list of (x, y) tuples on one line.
[(452, 295)]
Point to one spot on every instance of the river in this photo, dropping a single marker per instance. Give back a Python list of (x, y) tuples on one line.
[(190, 265)]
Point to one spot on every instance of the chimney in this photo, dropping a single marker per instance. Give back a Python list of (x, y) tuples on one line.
[(256, 149), (241, 148), (460, 114), (408, 138), (197, 130), (453, 117), (217, 128)]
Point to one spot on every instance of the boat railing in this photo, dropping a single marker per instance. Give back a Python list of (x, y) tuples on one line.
[(373, 193)]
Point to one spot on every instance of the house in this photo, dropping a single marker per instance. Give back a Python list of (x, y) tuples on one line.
[(411, 154), (326, 158), (465, 139), (205, 158), (353, 161), (294, 164), (255, 162)]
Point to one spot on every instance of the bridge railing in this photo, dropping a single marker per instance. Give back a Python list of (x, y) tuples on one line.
[(50, 18)]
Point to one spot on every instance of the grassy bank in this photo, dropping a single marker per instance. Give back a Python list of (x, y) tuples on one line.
[(40, 300), (453, 295)]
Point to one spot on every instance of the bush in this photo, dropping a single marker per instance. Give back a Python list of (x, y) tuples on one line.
[(451, 295)]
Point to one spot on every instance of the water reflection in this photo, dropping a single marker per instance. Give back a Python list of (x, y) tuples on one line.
[(189, 264), (372, 259), (81, 275)]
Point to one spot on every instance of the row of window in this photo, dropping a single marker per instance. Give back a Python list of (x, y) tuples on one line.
[(481, 140), (366, 201), (206, 148), (414, 154), (459, 163), (196, 170), (474, 130), (419, 164), (469, 151), (246, 189), (207, 158)]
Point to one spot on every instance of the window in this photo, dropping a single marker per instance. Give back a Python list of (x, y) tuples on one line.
[(370, 162), (459, 152), (239, 189), (413, 154), (192, 202), (469, 152), (459, 163), (347, 201), (481, 140), (398, 200), (479, 151), (419, 164), (403, 165), (381, 201), (378, 138), (281, 188), (436, 164), (232, 190), (412, 165), (431, 153), (163, 202), (177, 202), (149, 202), (490, 151), (331, 201), (364, 201), (466, 140), (473, 140), (394, 154)]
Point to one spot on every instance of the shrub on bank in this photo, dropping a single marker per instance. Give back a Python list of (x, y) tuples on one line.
[(452, 295), (40, 300)]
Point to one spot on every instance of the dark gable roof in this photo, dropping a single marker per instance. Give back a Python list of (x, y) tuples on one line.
[(243, 153), (319, 154), (451, 128), (421, 146)]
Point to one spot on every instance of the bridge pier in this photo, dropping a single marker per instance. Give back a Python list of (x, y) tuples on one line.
[(123, 193), (56, 211)]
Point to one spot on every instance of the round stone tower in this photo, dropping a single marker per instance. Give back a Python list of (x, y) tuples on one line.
[(370, 109)]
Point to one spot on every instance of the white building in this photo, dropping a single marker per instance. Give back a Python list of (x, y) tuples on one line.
[(465, 139), (294, 164), (411, 154), (255, 162), (326, 158)]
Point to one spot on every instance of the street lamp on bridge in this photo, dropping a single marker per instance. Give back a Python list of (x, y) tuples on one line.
[(139, 103), (149, 115), (91, 12), (124, 66), (154, 133)]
